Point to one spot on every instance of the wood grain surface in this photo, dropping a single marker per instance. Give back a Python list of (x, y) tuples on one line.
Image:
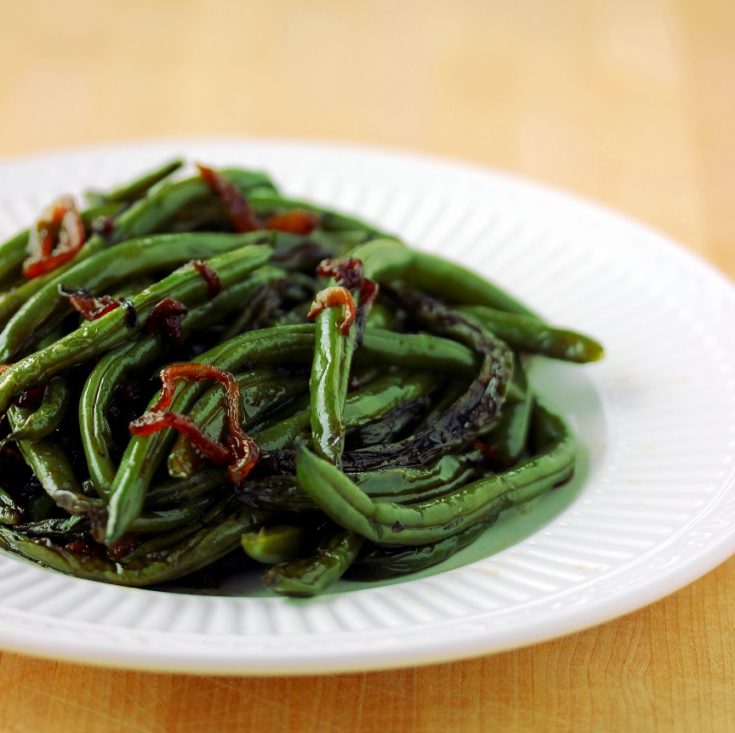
[(631, 102)]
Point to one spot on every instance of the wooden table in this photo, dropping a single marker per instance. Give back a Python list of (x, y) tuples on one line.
[(631, 102)]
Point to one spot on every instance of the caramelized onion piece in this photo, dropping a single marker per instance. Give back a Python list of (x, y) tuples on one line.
[(350, 274), (240, 452), (55, 238), (335, 295), (91, 307), (210, 276), (238, 209), (165, 319)]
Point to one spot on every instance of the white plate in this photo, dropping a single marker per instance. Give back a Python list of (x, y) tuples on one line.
[(653, 507)]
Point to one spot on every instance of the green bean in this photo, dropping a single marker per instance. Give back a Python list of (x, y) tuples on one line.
[(274, 543), (34, 424), (95, 337), (330, 371), (268, 393), (194, 551), (313, 575), (138, 187), (533, 336), (231, 299), (458, 284), (418, 351), (279, 492), (158, 545), (390, 523), (145, 217), (507, 440), (328, 383), (99, 388), (383, 562)]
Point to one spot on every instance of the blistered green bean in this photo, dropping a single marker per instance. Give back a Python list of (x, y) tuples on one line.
[(390, 523)]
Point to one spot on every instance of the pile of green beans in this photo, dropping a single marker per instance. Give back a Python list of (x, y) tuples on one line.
[(385, 444)]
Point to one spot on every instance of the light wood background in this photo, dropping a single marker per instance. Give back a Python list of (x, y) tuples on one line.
[(631, 102)]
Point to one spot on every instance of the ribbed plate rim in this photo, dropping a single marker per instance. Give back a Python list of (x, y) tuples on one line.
[(30, 639)]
